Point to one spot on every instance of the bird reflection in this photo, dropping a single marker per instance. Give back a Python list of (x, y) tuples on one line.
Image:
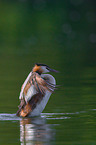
[(35, 131)]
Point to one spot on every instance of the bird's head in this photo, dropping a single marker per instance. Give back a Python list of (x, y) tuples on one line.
[(42, 68)]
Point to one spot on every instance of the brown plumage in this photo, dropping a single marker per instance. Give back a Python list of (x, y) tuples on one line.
[(26, 108), (41, 85)]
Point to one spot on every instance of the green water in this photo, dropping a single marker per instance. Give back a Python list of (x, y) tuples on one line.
[(61, 34)]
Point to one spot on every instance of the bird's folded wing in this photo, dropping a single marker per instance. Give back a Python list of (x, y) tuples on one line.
[(42, 85)]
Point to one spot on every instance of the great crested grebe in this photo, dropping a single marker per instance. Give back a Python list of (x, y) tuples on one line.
[(36, 91)]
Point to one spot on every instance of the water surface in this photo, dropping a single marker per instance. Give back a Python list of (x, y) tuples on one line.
[(61, 34), (49, 128)]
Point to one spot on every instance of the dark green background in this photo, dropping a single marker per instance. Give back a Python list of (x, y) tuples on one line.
[(61, 34)]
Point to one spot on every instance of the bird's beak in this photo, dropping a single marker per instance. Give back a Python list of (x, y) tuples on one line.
[(53, 70)]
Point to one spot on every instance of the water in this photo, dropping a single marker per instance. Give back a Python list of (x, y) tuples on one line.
[(49, 128), (61, 34)]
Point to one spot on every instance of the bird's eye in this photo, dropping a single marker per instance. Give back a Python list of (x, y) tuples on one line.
[(47, 68)]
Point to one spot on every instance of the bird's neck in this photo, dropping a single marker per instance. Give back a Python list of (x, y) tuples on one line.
[(38, 72)]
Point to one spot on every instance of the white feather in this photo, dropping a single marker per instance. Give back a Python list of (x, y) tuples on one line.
[(21, 93), (32, 91)]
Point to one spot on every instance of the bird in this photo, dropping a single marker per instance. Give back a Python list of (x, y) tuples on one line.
[(36, 91)]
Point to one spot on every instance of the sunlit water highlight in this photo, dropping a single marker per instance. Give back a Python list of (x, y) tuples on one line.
[(51, 116), (6, 116)]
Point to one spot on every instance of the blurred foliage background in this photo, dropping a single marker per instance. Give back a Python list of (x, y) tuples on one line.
[(61, 34)]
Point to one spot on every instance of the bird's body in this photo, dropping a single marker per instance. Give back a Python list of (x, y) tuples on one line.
[(36, 91)]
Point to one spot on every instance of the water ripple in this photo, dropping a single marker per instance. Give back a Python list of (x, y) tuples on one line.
[(54, 116), (6, 116), (51, 116)]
